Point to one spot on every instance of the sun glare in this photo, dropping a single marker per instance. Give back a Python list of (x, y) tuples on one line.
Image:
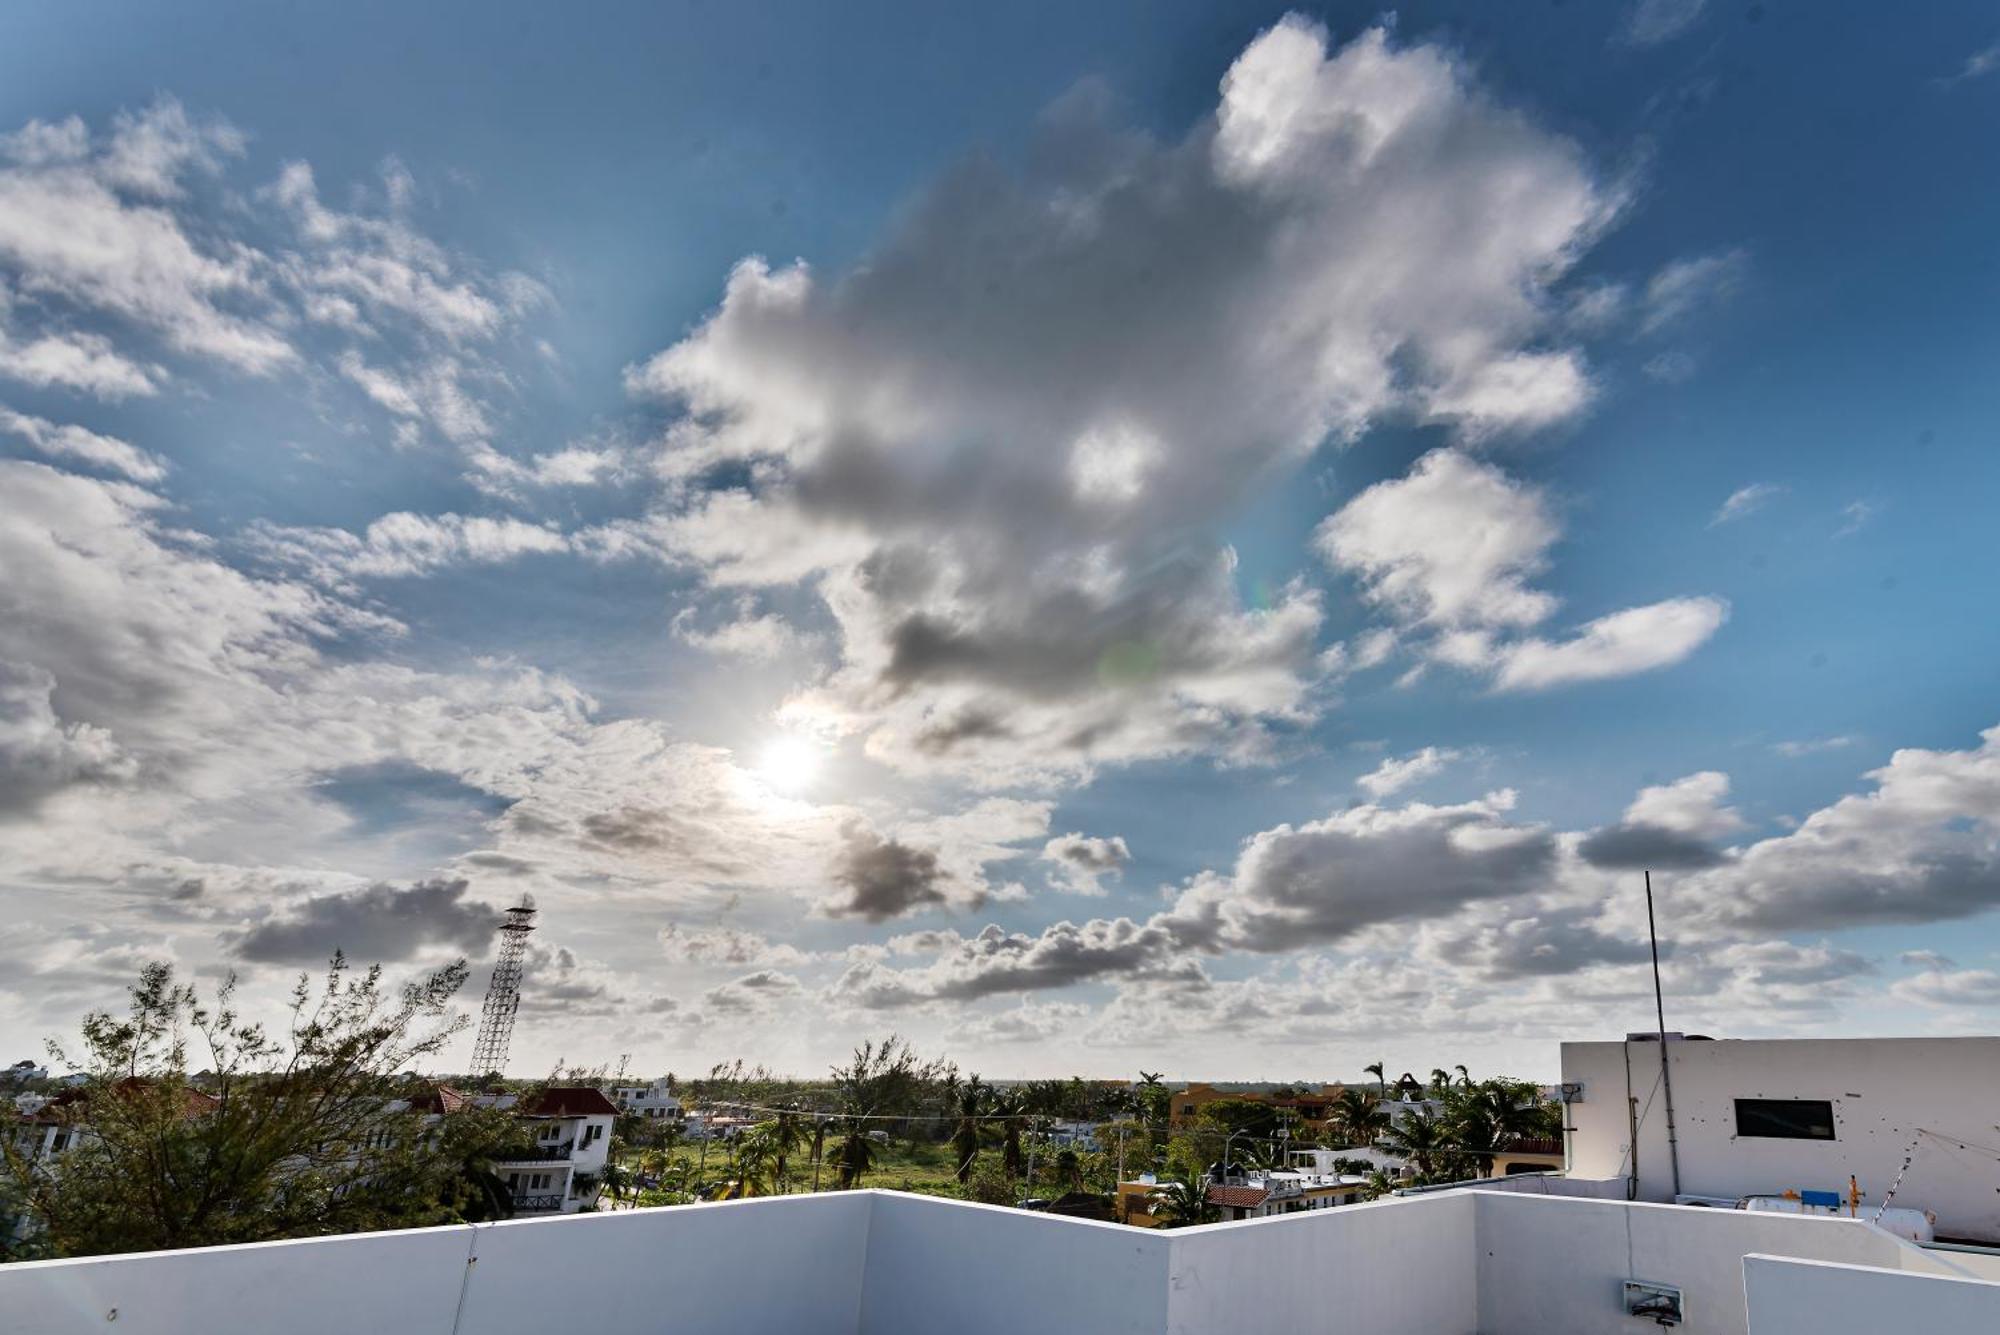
[(787, 764)]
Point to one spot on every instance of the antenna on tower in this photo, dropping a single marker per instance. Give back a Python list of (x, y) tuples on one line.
[(503, 994)]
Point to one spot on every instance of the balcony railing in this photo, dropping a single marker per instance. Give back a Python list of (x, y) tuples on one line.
[(537, 1154), (533, 1204)]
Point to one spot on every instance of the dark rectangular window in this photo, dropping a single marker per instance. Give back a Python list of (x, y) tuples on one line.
[(1785, 1119)]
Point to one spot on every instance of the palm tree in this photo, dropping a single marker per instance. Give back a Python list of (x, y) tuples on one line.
[(1377, 1186), (854, 1156), (1379, 1069), (972, 1101), (1359, 1117), (1464, 1076), (753, 1156), (1421, 1139), (1440, 1081), (1181, 1202), (782, 1135), (1069, 1170), (1013, 1111)]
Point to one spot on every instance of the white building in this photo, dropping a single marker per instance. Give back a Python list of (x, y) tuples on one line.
[(572, 1134), (653, 1102), (884, 1263), (1762, 1117)]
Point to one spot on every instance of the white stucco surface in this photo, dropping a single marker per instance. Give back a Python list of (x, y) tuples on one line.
[(1884, 1092), (883, 1263), (1786, 1296)]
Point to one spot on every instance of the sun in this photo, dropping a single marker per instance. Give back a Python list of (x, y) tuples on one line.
[(788, 763)]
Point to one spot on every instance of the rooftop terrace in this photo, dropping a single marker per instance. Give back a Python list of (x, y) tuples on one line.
[(880, 1263)]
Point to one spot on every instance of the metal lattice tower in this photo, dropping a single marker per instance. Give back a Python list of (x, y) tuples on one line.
[(503, 994)]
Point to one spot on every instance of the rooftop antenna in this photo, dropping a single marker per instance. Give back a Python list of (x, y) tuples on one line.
[(503, 994), (1666, 1071)]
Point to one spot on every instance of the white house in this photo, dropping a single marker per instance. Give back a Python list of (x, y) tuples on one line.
[(886, 1263), (1763, 1117), (653, 1102), (572, 1133)]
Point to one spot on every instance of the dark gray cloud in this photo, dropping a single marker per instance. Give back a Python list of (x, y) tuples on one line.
[(752, 994), (1636, 847), (885, 878), (1535, 943), (381, 923), (1318, 883), (40, 754), (996, 962), (1082, 861)]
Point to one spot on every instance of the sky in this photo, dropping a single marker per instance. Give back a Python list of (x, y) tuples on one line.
[(1189, 536)]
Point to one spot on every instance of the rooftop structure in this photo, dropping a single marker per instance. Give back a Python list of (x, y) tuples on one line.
[(882, 1263), (1902, 1122)]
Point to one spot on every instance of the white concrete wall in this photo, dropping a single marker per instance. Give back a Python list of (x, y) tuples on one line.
[(937, 1266), (402, 1282), (1377, 1269), (786, 1263), (879, 1263), (1882, 1091), (1550, 1266), (1792, 1297)]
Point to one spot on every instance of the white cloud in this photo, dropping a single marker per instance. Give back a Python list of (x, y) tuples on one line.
[(1393, 775), (74, 442), (1004, 502), (762, 638), (1812, 745), (1454, 543), (1977, 65), (1972, 989), (95, 231), (1683, 287), (1692, 806), (1855, 516), (403, 545), (1638, 639), (1746, 501), (1082, 862), (1651, 22), (1450, 550)]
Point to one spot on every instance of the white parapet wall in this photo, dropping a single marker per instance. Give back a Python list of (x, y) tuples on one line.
[(967, 1268), (1787, 1296), (1555, 1266), (1389, 1266), (884, 1263)]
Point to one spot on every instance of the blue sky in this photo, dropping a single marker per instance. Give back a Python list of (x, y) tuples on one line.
[(1180, 535)]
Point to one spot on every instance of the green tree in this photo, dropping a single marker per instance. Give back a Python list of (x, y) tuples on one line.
[(1357, 1117), (854, 1156), (288, 1135), (1184, 1201), (973, 1099)]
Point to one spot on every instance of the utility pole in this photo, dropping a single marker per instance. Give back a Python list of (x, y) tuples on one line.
[(1666, 1068)]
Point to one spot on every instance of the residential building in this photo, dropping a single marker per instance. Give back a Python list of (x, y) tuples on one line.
[(1309, 1108), (1310, 1182), (653, 1101), (886, 1263), (572, 1137), (1907, 1122)]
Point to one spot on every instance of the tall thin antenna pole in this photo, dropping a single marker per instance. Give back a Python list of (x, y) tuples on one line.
[(1666, 1070), (503, 994)]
